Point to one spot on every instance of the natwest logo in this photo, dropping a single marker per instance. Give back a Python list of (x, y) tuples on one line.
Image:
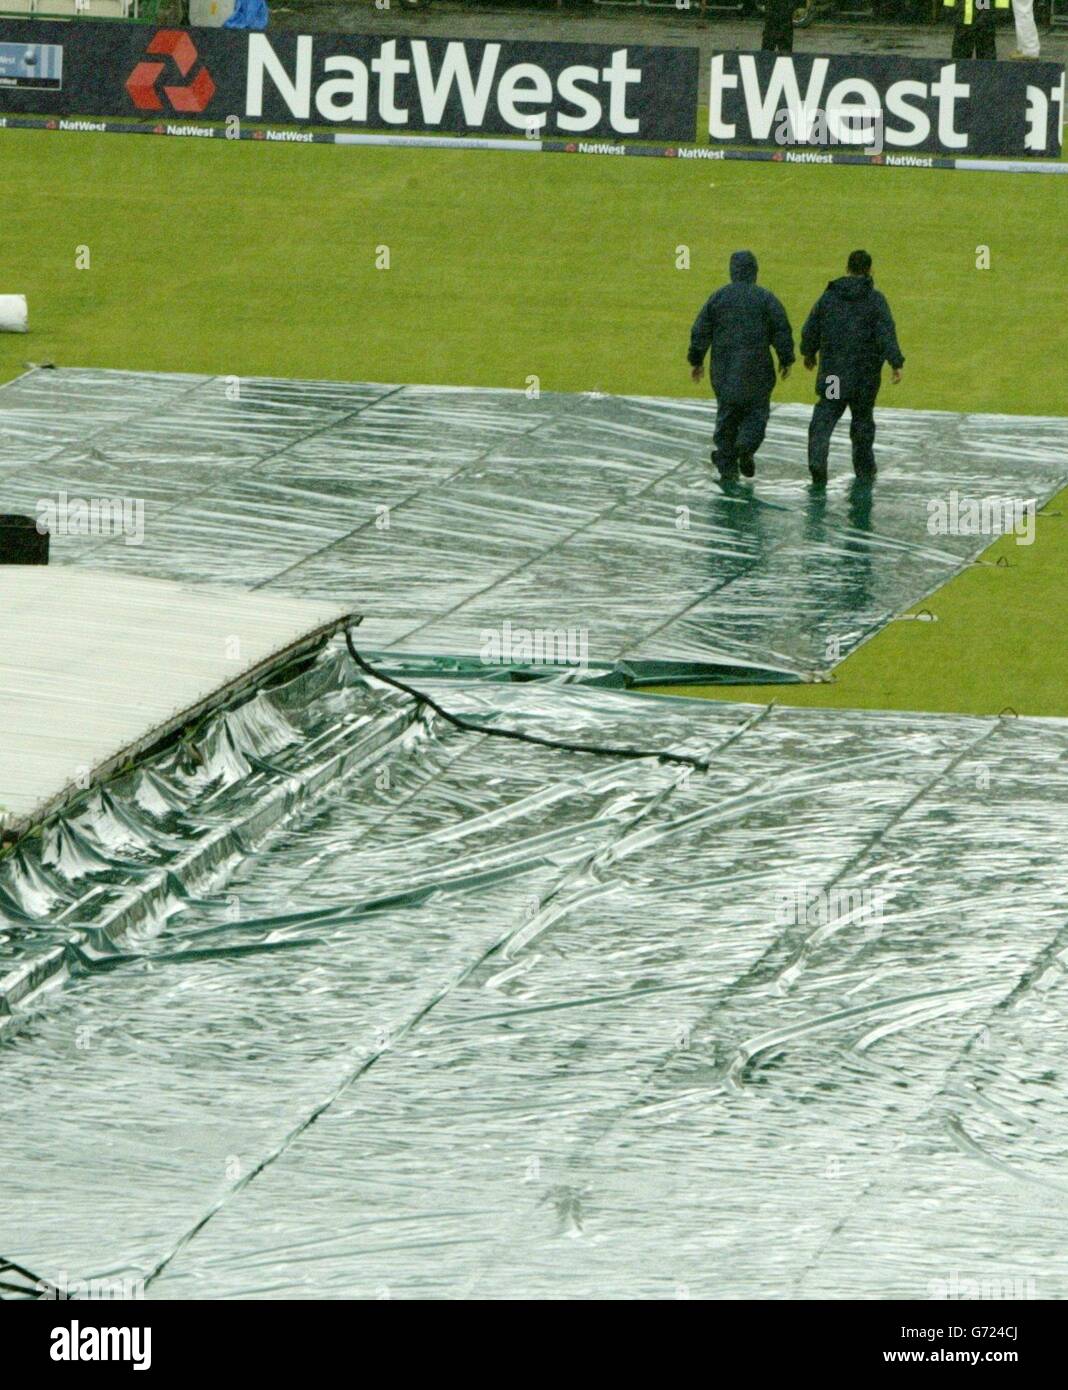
[(143, 82)]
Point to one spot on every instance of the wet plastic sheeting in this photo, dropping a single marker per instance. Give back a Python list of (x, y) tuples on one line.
[(558, 1029), (444, 513), (93, 699)]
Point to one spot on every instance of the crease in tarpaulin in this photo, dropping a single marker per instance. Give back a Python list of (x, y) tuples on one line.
[(399, 993), (977, 1041), (513, 939), (71, 904), (210, 807), (629, 952), (746, 1060), (593, 512)]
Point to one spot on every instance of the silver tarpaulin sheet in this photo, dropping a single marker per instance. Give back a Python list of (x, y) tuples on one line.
[(489, 1019), (475, 527)]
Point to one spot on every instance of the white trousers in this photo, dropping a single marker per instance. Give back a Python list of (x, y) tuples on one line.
[(1023, 13)]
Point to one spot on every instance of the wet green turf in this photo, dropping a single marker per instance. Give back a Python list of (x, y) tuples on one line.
[(260, 260), (997, 642)]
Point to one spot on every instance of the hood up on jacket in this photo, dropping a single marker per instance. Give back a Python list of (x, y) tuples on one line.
[(744, 266), (852, 286)]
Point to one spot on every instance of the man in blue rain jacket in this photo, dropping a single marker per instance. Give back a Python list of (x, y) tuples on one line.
[(741, 323), (852, 332)]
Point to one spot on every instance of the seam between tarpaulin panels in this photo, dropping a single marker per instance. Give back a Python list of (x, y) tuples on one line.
[(112, 425), (528, 932), (872, 630), (875, 839), (543, 554), (581, 1156), (725, 810), (954, 568), (1042, 959), (850, 532), (432, 487), (237, 474), (403, 1031), (835, 529), (750, 499), (762, 971), (750, 566), (466, 748)]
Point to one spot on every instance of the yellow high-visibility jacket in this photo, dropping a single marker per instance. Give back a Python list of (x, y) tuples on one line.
[(966, 8)]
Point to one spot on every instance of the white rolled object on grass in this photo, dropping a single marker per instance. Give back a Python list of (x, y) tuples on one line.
[(14, 313)]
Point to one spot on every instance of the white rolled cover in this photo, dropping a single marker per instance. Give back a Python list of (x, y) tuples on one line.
[(14, 313)]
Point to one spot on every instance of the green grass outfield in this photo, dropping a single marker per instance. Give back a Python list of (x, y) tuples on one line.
[(998, 643), (260, 260)]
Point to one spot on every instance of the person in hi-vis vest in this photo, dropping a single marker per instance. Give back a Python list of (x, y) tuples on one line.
[(973, 34)]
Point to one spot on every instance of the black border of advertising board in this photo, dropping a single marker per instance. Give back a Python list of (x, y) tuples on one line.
[(353, 81), (925, 105), (557, 92)]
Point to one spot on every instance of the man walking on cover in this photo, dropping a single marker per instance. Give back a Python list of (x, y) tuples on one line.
[(741, 322), (852, 331)]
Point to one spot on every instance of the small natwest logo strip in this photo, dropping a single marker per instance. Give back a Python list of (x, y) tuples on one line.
[(143, 83)]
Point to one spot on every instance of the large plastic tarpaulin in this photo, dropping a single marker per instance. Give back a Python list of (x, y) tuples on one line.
[(444, 514), (489, 1019), (80, 660)]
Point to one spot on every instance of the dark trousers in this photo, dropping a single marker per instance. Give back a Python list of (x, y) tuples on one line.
[(826, 415), (778, 36), (740, 427), (974, 40)]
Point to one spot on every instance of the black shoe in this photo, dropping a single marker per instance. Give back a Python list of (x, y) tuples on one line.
[(746, 465), (819, 477), (728, 473)]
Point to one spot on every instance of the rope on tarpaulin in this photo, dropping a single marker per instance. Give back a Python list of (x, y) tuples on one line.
[(18, 1282), (564, 745)]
